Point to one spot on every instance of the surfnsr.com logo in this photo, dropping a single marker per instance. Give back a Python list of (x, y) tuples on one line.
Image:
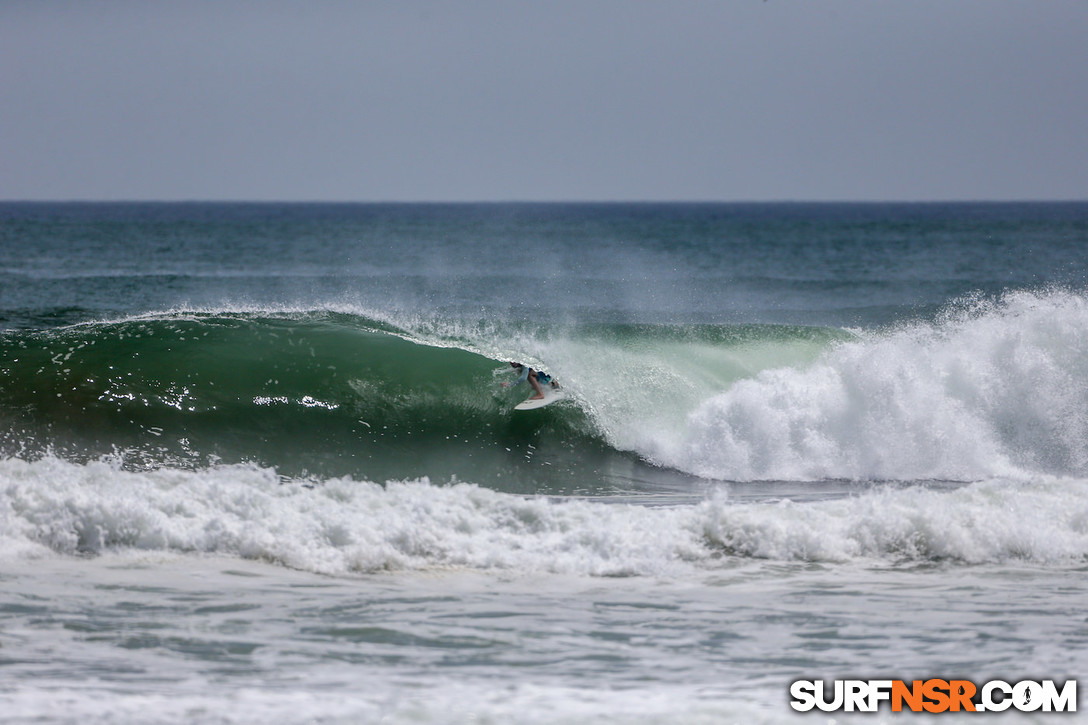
[(934, 696)]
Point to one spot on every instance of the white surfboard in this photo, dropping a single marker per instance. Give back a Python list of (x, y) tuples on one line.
[(550, 396)]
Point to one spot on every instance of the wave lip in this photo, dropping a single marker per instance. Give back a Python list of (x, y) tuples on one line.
[(342, 526)]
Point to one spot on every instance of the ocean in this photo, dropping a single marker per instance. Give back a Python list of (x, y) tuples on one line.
[(257, 463)]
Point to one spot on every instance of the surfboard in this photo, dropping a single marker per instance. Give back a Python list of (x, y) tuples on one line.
[(550, 396)]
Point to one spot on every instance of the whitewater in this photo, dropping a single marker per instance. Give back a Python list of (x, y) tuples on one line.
[(256, 463)]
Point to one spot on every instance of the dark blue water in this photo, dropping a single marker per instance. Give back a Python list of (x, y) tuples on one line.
[(823, 264)]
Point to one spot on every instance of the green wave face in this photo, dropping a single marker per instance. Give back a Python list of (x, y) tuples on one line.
[(324, 395)]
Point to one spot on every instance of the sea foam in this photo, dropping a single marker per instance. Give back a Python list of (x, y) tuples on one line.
[(341, 526), (991, 389)]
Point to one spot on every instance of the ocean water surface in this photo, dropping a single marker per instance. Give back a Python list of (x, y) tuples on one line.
[(257, 464)]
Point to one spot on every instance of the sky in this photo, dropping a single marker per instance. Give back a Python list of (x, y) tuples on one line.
[(519, 100)]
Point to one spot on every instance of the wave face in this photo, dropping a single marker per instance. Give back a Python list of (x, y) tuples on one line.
[(991, 388), (341, 393), (309, 393)]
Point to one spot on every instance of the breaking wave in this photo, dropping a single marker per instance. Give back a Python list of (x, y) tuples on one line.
[(344, 526)]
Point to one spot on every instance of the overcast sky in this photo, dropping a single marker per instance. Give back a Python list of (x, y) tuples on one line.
[(731, 100)]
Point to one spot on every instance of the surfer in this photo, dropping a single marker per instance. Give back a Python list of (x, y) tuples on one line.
[(534, 377)]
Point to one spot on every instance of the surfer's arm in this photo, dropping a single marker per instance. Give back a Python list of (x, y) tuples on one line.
[(521, 378)]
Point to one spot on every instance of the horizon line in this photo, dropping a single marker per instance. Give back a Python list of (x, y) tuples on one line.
[(544, 202)]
